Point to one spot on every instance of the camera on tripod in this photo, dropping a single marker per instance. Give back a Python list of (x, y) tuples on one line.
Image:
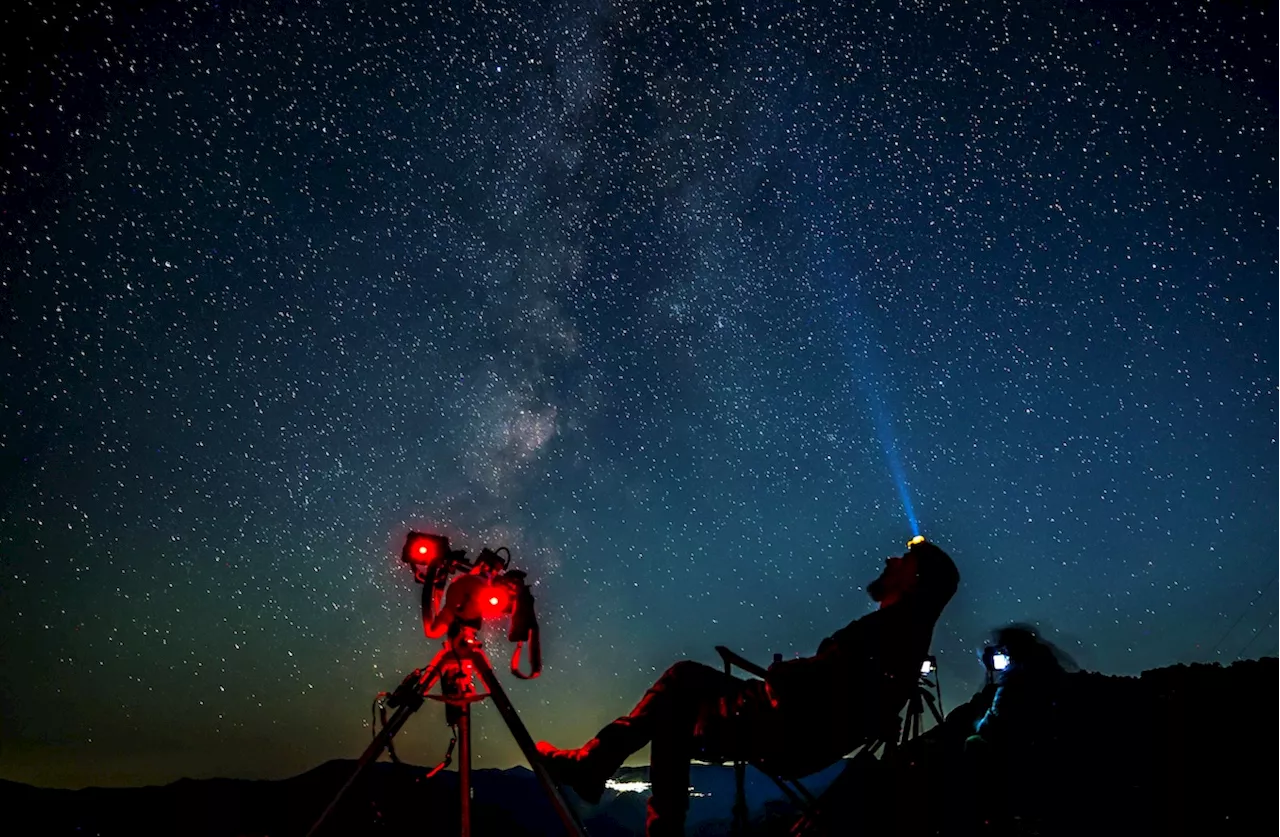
[(456, 608), (486, 590)]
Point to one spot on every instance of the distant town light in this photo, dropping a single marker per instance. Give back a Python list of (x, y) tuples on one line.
[(643, 787), (626, 787)]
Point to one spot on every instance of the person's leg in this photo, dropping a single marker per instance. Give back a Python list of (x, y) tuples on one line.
[(691, 722), (669, 760), (669, 710)]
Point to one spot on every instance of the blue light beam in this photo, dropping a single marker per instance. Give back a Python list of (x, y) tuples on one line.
[(884, 429), (859, 337)]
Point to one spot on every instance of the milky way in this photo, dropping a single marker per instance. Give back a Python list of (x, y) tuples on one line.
[(679, 301)]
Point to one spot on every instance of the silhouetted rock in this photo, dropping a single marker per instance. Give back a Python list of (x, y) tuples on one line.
[(1179, 750)]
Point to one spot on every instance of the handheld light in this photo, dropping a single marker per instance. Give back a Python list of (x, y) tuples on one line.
[(996, 660)]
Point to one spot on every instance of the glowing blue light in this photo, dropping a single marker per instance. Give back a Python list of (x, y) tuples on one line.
[(885, 431), (858, 337), (1000, 661)]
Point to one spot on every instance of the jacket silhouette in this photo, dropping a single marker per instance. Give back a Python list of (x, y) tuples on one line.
[(806, 714)]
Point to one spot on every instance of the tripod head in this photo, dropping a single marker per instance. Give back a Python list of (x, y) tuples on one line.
[(485, 589)]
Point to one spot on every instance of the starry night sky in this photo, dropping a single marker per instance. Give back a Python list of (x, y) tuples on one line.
[(686, 303)]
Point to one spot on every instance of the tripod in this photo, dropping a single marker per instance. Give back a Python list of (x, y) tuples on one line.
[(453, 667), (927, 693)]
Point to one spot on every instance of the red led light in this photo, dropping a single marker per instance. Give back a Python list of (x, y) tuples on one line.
[(425, 549), (493, 603)]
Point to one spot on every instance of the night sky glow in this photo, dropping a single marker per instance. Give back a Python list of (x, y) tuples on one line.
[(697, 307)]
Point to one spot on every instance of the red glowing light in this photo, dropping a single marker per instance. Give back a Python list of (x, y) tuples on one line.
[(425, 548), (493, 603)]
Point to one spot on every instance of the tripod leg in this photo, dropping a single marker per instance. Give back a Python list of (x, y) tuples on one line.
[(383, 739), (911, 724), (464, 771), (518, 731), (933, 707)]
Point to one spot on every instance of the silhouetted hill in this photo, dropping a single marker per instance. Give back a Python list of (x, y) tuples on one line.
[(1183, 750), (391, 799), (1180, 750)]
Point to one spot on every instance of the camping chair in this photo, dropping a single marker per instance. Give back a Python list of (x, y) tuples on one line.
[(928, 693)]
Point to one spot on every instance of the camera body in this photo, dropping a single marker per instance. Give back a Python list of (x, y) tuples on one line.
[(486, 589)]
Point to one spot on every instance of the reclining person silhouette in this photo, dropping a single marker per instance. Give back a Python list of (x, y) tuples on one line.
[(996, 765), (806, 713)]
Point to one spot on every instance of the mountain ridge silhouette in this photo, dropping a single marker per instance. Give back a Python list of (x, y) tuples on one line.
[(1175, 730)]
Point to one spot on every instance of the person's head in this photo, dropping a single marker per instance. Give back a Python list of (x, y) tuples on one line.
[(898, 578), (1029, 652), (923, 570)]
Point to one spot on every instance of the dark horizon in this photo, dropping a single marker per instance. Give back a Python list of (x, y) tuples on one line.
[(703, 312), (1155, 778)]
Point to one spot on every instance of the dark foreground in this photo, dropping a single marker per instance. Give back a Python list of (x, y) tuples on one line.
[(1185, 750)]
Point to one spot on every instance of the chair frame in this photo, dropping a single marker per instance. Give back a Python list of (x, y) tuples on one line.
[(801, 797)]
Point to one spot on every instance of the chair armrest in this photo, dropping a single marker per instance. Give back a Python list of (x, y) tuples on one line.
[(732, 659)]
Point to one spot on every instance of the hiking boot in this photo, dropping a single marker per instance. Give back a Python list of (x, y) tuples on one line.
[(583, 769)]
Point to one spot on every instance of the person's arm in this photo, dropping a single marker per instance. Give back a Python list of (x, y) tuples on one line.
[(988, 722), (788, 680), (968, 714)]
